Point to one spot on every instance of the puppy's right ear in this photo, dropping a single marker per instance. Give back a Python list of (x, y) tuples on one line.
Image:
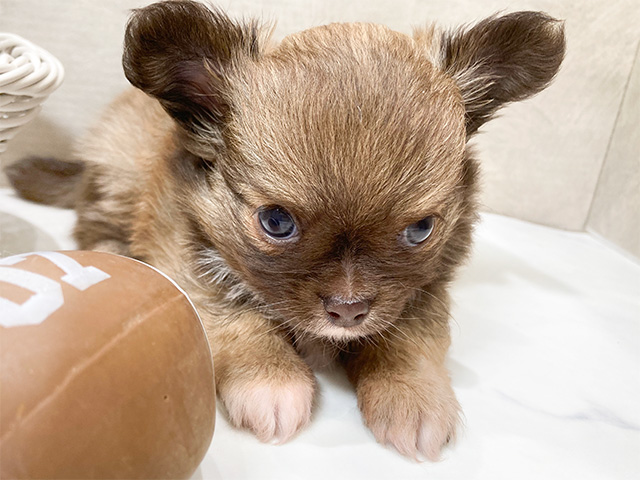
[(182, 53)]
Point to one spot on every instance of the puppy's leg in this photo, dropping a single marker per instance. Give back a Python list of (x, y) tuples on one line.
[(403, 388), (263, 383)]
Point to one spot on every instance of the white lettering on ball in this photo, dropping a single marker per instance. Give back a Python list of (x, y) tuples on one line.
[(48, 295)]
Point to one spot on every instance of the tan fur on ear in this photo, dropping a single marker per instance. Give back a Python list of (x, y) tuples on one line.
[(502, 59)]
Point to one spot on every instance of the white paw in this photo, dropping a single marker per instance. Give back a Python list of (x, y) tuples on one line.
[(419, 439), (274, 410), (416, 419)]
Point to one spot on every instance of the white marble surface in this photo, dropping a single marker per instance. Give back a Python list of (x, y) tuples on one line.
[(545, 362)]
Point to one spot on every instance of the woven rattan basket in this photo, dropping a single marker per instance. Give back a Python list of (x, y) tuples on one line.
[(28, 75)]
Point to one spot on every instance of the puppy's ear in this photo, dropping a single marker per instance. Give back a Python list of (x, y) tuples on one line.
[(502, 59), (182, 53)]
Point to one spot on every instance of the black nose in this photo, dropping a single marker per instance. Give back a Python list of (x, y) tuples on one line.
[(344, 313)]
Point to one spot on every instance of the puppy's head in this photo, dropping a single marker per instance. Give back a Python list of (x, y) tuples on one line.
[(328, 177)]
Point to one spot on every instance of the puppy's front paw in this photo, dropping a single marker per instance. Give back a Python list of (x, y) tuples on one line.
[(273, 409), (418, 415)]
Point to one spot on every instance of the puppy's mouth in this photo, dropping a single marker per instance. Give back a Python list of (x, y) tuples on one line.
[(341, 320), (322, 325), (340, 329), (343, 334)]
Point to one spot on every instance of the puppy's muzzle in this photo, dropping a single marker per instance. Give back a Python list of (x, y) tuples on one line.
[(345, 313)]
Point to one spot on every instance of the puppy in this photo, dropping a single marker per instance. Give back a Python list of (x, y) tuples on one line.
[(313, 197)]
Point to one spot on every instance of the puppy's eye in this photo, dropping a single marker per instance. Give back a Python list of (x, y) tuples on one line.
[(277, 223), (418, 232)]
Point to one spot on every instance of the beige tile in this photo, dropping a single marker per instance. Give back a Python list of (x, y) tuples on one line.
[(542, 157), (615, 213), (87, 39)]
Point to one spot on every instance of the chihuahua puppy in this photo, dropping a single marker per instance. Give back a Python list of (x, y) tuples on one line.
[(314, 197)]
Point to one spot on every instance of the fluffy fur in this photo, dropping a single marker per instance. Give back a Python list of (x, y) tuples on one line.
[(358, 132)]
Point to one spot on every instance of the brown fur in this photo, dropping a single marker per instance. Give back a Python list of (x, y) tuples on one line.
[(46, 180), (358, 132)]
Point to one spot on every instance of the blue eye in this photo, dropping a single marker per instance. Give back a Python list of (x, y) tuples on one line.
[(277, 223), (418, 232)]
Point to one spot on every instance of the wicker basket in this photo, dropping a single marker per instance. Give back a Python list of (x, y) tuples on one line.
[(28, 75)]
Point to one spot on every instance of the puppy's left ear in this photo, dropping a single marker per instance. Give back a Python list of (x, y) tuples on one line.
[(502, 59)]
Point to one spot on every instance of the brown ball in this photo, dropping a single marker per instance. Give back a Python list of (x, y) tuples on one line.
[(106, 371)]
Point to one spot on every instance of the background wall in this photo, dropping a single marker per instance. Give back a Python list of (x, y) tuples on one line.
[(615, 211), (567, 158)]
